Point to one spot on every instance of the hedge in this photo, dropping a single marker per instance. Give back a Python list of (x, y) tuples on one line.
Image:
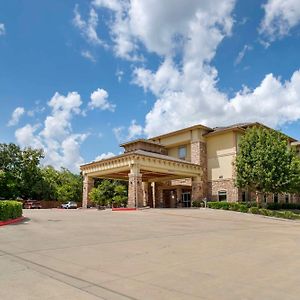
[(10, 210), (253, 209)]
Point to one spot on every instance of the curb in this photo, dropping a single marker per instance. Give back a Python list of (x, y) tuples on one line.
[(123, 209), (12, 221)]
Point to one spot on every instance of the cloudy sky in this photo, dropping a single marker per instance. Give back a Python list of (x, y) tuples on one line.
[(79, 77)]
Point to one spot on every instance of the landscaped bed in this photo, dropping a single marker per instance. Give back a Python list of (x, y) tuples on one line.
[(10, 210), (278, 210)]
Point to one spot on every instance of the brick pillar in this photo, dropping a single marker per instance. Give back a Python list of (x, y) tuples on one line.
[(197, 189), (199, 157), (135, 189), (88, 184)]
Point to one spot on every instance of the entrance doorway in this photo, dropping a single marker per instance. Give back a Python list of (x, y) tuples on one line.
[(186, 199)]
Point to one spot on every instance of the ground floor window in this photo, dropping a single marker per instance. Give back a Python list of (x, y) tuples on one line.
[(222, 196), (186, 199), (244, 196), (265, 198), (275, 198), (287, 198)]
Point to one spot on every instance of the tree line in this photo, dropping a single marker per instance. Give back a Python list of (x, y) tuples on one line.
[(22, 176)]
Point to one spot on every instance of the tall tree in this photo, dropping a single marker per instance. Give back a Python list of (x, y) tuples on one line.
[(265, 163), (19, 169)]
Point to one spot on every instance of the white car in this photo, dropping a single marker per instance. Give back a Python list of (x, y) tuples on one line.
[(69, 205)]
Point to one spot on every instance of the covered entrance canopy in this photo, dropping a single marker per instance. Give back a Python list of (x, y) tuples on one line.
[(140, 168)]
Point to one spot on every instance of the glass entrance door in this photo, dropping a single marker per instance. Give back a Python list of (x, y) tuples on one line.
[(186, 199)]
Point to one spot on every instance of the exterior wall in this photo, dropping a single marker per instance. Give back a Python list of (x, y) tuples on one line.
[(221, 151), (173, 151), (233, 193)]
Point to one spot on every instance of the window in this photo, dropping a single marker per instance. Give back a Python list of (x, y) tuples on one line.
[(275, 198), (287, 198), (265, 198), (244, 196), (182, 152), (222, 195)]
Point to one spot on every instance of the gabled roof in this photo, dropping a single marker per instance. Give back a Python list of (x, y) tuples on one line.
[(198, 126)]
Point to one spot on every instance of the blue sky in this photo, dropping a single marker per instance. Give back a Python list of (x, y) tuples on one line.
[(79, 77)]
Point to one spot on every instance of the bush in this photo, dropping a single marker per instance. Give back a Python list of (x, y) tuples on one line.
[(218, 205), (254, 210), (278, 206), (196, 203), (10, 210), (243, 208)]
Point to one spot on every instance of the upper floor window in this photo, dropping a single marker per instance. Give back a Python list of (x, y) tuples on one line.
[(182, 152)]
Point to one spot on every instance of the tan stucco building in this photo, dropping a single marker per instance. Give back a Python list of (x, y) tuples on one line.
[(174, 169)]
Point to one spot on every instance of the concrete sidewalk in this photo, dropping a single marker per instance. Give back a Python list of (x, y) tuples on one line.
[(149, 254)]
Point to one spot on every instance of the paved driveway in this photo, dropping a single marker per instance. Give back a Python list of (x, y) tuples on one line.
[(149, 254)]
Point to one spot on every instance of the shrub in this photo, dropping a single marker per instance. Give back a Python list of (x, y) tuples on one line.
[(243, 208), (10, 210), (278, 206), (196, 203), (254, 210), (218, 205)]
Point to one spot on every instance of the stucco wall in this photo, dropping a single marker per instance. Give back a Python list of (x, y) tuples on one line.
[(173, 151), (221, 150)]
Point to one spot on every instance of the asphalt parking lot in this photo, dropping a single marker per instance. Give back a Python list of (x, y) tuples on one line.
[(149, 254)]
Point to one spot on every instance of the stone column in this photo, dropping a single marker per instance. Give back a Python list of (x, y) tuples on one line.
[(197, 189), (135, 190), (199, 157), (88, 184)]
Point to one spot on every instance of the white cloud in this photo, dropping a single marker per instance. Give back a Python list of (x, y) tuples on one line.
[(55, 136), (16, 115), (2, 29), (104, 156), (119, 133), (280, 16), (99, 99), (134, 130), (186, 87), (26, 136), (88, 55), (242, 54), (88, 29), (185, 35)]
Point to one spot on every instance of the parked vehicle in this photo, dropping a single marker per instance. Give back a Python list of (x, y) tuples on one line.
[(69, 205), (32, 204)]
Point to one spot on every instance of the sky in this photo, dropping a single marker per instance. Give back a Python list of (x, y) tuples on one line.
[(77, 78)]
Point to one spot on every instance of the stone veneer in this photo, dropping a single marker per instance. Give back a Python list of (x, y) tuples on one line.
[(88, 184), (135, 190), (199, 157), (227, 185)]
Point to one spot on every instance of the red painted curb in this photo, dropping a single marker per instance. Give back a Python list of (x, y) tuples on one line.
[(12, 221), (123, 208)]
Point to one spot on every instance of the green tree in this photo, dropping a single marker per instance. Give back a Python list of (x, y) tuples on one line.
[(120, 197), (265, 163), (20, 170), (109, 192), (69, 187), (102, 194)]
